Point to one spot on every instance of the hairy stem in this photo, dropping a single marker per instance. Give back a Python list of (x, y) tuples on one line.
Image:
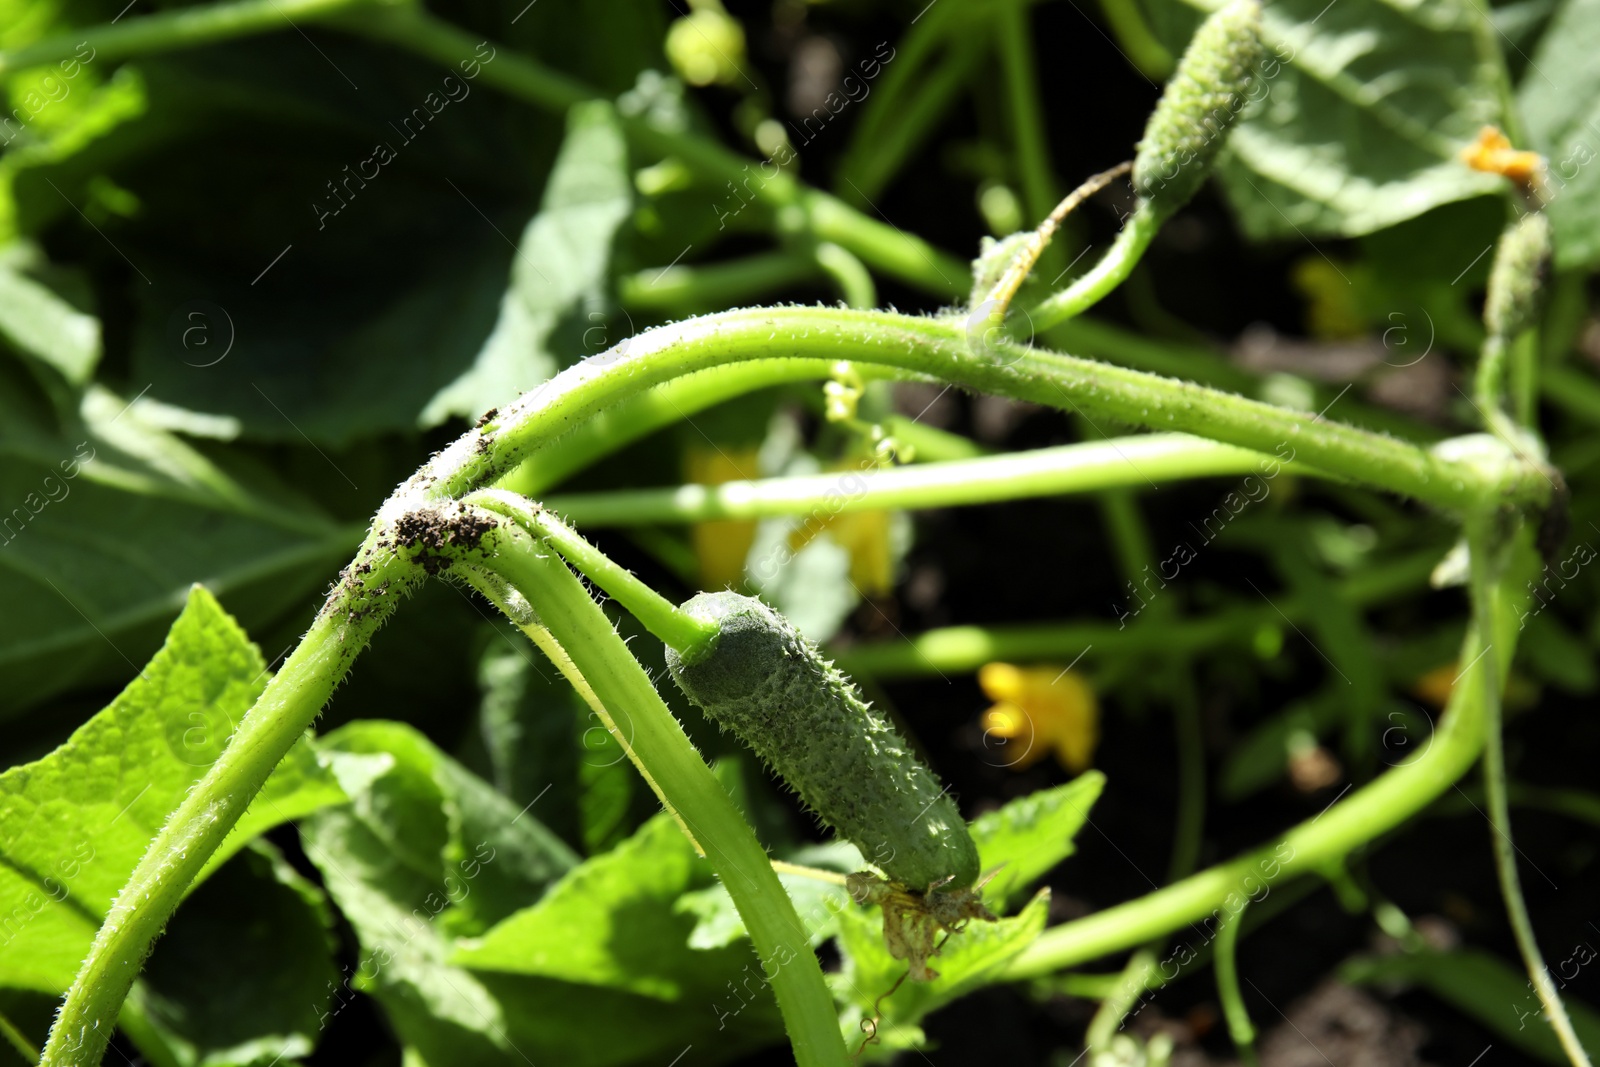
[(644, 724), (937, 348), (637, 416), (1129, 461), (1110, 271), (1480, 541), (678, 629)]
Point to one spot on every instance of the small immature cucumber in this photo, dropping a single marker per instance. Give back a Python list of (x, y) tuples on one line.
[(1200, 103), (772, 689), (1516, 281)]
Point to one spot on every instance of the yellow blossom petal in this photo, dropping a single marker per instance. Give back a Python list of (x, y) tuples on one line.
[(865, 535), (1434, 687), (1048, 708), (1492, 152), (1016, 747), (721, 545)]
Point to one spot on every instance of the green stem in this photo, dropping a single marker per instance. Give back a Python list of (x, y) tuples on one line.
[(1571, 390), (637, 416), (886, 248), (897, 96), (929, 444), (1524, 383), (1137, 976), (1128, 461), (1489, 386), (660, 616), (1209, 366), (876, 156), (1308, 848), (1109, 272), (1189, 823), (648, 728), (188, 27), (17, 1040), (963, 649), (1022, 99), (715, 286), (849, 274), (208, 812), (1481, 545), (938, 348), (1130, 541), (1148, 55), (1233, 1009)]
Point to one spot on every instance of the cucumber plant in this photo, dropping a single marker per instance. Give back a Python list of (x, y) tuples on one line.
[(477, 514)]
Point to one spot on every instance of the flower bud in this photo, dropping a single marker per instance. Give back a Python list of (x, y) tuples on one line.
[(1516, 281), (1200, 104)]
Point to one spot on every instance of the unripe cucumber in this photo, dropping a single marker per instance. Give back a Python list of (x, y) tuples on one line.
[(771, 688), (1200, 103), (1516, 281)]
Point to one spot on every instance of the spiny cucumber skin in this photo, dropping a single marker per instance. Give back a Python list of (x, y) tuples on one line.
[(1200, 103), (771, 688)]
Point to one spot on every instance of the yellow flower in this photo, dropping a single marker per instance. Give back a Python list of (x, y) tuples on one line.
[(866, 535), (1434, 687), (1039, 710), (721, 545), (1492, 152)]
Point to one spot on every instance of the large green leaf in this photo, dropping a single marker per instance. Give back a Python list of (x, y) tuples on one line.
[(558, 278), (1025, 839), (389, 860), (613, 922), (110, 518), (968, 961), (816, 902), (547, 746), (39, 323), (1367, 104), (73, 824), (1560, 101)]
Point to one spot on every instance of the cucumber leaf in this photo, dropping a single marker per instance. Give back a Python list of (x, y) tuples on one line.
[(1560, 101), (73, 824), (1026, 838), (558, 277), (1360, 115)]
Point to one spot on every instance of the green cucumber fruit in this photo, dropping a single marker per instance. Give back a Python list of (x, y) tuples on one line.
[(1210, 87), (770, 687)]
